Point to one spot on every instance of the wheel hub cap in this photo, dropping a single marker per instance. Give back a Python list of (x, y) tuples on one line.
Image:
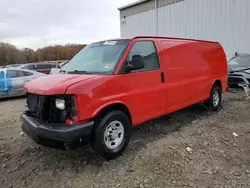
[(114, 134), (216, 98)]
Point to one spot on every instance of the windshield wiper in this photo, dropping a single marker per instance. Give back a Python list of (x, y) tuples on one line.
[(240, 70), (78, 72)]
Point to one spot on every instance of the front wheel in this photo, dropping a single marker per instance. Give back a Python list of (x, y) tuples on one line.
[(111, 135), (214, 101)]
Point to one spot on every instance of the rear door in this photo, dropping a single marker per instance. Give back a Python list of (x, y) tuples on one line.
[(17, 82), (146, 88), (26, 76)]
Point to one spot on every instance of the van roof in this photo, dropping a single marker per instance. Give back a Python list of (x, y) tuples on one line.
[(174, 38), (160, 37)]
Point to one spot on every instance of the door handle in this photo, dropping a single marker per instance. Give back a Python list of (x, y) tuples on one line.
[(26, 81), (162, 77)]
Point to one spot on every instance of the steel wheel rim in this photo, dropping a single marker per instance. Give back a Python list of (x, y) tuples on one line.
[(216, 98), (114, 134)]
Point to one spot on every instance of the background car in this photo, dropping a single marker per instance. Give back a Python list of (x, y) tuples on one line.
[(239, 70), (39, 67), (57, 69), (54, 71), (18, 78), (13, 65), (62, 64)]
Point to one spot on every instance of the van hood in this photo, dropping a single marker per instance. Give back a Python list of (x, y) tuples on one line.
[(55, 84)]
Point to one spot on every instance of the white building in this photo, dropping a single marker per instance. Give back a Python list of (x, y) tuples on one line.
[(225, 21)]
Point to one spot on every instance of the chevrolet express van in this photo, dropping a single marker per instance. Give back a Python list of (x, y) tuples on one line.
[(112, 85)]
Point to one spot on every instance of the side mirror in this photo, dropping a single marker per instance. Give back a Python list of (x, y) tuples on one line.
[(136, 63)]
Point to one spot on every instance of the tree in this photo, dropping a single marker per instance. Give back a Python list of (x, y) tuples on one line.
[(29, 55), (9, 54)]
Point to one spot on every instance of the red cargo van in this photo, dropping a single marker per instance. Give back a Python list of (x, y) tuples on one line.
[(112, 85)]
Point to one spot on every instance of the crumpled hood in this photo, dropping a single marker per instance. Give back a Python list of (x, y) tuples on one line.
[(54, 84)]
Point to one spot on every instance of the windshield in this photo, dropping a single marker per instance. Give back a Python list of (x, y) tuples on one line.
[(241, 61), (98, 58)]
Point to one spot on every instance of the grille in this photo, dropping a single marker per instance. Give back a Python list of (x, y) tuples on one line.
[(32, 101), (236, 75), (235, 80), (38, 106), (43, 108)]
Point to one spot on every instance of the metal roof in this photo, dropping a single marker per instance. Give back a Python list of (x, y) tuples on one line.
[(143, 6), (133, 4)]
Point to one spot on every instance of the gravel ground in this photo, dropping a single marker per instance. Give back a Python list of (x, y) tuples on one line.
[(190, 148)]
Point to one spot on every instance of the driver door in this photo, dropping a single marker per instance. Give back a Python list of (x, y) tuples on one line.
[(146, 89)]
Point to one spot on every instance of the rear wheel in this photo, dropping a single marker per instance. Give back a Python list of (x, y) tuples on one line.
[(111, 135), (214, 101)]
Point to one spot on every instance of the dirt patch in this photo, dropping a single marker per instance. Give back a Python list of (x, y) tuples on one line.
[(190, 148)]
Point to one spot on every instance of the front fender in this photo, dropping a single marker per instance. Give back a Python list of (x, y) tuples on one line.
[(99, 109)]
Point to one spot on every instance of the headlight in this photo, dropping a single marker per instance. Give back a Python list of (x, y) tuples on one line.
[(247, 71), (60, 104)]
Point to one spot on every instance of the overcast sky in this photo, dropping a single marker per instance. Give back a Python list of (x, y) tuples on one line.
[(34, 23)]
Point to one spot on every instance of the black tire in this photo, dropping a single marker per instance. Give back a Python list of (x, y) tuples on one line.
[(98, 144), (210, 103)]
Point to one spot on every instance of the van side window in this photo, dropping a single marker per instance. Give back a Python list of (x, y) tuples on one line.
[(148, 52)]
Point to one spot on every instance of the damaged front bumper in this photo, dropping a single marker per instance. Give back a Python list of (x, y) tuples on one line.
[(241, 81), (236, 80), (56, 135)]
